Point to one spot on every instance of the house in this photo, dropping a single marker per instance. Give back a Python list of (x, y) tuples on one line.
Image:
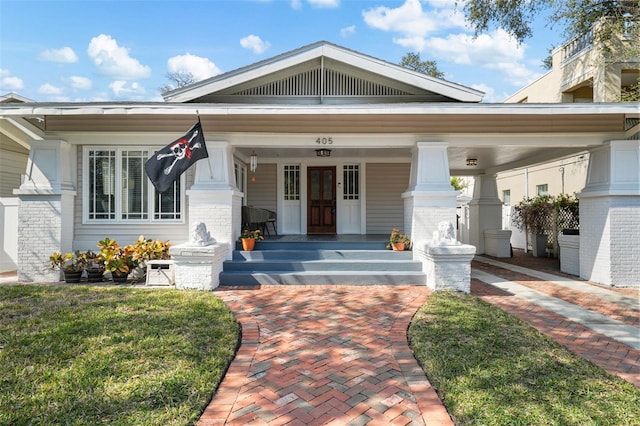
[(14, 152), (344, 144)]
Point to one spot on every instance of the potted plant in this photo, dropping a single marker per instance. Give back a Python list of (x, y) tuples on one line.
[(119, 261), (532, 217), (145, 250), (95, 267), (248, 239), (398, 241), (71, 264)]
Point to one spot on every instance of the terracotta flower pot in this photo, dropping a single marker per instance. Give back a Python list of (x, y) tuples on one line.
[(248, 244), (397, 246)]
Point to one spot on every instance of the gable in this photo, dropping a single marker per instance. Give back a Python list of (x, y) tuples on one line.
[(323, 74)]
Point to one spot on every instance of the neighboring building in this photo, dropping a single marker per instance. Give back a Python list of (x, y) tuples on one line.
[(393, 139), (581, 73)]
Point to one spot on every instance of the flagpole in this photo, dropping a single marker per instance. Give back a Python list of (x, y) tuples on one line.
[(208, 162)]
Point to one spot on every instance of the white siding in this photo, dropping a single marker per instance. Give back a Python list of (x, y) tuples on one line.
[(13, 163), (385, 206), (263, 192), (86, 236)]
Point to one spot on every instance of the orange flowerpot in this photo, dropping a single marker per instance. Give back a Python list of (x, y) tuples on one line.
[(248, 244), (397, 246)]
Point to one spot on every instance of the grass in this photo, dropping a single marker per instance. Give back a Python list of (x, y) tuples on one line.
[(117, 356), (492, 369)]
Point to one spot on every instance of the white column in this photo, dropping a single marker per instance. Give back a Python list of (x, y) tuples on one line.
[(214, 198), (610, 215), (485, 210), (46, 209), (430, 198)]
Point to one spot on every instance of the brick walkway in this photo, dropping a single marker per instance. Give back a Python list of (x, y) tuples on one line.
[(325, 355), (613, 356), (338, 355)]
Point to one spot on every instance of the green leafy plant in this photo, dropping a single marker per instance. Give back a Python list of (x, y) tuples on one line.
[(76, 261), (257, 235), (397, 237), (117, 259)]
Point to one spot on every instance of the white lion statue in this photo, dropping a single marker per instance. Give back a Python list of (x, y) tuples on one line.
[(200, 236), (445, 235)]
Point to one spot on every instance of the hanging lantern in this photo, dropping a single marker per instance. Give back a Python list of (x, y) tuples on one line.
[(253, 165)]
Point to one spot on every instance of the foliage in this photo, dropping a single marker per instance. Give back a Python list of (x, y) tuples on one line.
[(147, 249), (413, 62), (117, 259), (76, 261), (177, 80), (458, 183), (631, 93), (490, 368), (256, 235), (576, 16), (397, 237), (122, 260), (110, 356)]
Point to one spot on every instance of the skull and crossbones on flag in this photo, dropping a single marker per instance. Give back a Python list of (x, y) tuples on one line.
[(165, 166)]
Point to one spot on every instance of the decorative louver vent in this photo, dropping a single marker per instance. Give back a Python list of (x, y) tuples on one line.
[(322, 82)]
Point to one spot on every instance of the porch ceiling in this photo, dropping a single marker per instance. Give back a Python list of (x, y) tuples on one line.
[(490, 159)]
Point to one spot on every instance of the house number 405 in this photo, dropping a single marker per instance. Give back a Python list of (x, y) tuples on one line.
[(324, 141)]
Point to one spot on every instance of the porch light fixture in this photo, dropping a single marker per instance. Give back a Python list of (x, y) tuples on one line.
[(324, 152), (472, 161), (253, 165)]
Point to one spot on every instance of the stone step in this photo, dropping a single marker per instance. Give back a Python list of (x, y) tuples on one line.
[(238, 278), (310, 255), (369, 266), (317, 244)]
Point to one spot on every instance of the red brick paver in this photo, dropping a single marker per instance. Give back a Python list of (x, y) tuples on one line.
[(314, 355), (615, 357)]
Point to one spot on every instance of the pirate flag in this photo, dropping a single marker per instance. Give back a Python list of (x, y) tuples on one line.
[(165, 166)]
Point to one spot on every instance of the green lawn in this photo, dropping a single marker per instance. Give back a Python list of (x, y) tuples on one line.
[(97, 355), (492, 369)]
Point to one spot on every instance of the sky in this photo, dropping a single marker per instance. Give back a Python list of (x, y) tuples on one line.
[(122, 50)]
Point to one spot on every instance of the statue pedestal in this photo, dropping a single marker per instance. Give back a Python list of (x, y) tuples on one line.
[(448, 266), (198, 267)]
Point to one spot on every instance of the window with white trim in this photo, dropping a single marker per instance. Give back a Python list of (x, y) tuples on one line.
[(351, 182), (542, 189), (506, 197), (116, 188), (291, 182)]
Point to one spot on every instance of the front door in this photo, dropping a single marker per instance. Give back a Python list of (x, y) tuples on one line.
[(321, 200)]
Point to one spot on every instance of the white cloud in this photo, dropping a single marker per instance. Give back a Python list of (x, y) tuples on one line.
[(326, 4), (64, 55), (200, 68), (411, 21), (122, 88), (49, 89), (296, 4), (10, 83), (114, 60), (80, 83), (254, 43), (517, 74), (347, 31), (495, 47)]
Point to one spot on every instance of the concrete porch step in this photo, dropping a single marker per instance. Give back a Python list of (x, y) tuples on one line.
[(370, 266), (241, 278), (321, 254)]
